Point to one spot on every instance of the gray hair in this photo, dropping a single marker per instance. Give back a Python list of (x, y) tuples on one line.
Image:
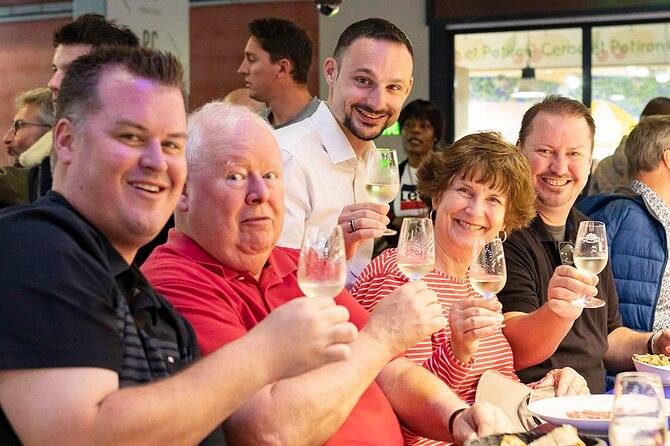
[(40, 97), (216, 119), (646, 143)]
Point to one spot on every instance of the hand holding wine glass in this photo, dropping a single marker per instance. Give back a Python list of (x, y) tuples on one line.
[(382, 182), (638, 416), (488, 272), (590, 256), (416, 247), (322, 266)]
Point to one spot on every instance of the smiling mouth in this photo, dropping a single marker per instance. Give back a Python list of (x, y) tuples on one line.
[(469, 226), (556, 183), (146, 187), (370, 115)]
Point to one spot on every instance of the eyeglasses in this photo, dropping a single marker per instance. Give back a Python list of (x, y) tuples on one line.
[(19, 124), (566, 250)]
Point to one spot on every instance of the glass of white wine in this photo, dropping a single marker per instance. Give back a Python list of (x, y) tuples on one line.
[(488, 272), (382, 182), (416, 247), (590, 256), (638, 415), (322, 267)]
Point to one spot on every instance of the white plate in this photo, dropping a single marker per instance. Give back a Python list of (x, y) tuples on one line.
[(662, 371), (553, 410)]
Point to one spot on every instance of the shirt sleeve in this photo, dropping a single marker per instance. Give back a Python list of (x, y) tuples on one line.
[(297, 201), (521, 291), (58, 297), (445, 365)]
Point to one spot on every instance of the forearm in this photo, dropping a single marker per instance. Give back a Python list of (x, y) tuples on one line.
[(549, 330), (623, 342), (421, 400), (310, 408)]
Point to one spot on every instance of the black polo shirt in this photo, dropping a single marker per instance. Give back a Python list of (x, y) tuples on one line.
[(70, 300), (531, 256)]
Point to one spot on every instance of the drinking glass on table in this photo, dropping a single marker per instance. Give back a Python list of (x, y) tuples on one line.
[(322, 266), (638, 415), (488, 272), (416, 247), (590, 256), (382, 181)]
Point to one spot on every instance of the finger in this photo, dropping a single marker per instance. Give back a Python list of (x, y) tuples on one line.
[(344, 332), (336, 352), (489, 304), (335, 314)]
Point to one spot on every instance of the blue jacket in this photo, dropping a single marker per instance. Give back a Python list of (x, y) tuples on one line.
[(638, 253)]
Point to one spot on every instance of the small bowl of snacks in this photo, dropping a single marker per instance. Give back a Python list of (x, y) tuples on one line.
[(658, 364)]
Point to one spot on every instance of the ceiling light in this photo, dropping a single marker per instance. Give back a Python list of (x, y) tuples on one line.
[(573, 81), (662, 77), (528, 87)]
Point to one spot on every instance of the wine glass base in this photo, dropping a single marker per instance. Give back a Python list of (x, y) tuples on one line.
[(593, 302), (388, 231)]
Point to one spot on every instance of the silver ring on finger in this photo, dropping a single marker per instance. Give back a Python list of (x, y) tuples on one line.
[(352, 225)]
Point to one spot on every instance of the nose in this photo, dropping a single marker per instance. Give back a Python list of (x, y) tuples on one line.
[(257, 190), (475, 206), (54, 82), (559, 164), (375, 99), (243, 68), (153, 157), (9, 136)]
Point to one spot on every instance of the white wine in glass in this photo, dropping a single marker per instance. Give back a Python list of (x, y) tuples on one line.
[(488, 272), (590, 256), (322, 267), (382, 181), (416, 247)]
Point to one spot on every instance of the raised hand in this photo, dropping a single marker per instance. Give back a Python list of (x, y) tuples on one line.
[(565, 381), (406, 316), (566, 285), (306, 333), (471, 320), (362, 221)]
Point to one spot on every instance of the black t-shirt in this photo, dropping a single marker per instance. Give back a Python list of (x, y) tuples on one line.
[(531, 256), (70, 300)]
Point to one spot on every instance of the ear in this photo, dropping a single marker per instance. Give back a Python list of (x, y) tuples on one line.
[(284, 67), (409, 86), (182, 204), (330, 70), (666, 158), (63, 140)]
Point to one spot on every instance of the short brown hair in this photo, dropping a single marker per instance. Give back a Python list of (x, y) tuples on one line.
[(556, 105), (646, 144), (486, 158)]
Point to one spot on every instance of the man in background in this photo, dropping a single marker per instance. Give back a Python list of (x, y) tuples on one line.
[(34, 117), (276, 64)]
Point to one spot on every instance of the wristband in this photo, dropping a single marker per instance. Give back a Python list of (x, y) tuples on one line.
[(452, 418), (650, 343)]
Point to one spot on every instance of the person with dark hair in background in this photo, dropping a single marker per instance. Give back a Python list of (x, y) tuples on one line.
[(276, 64), (421, 129), (369, 78), (90, 352), (612, 172), (637, 220), (34, 117)]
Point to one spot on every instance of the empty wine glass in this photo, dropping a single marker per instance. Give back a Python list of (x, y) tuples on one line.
[(323, 264), (638, 416), (416, 247), (382, 182), (590, 256), (488, 272)]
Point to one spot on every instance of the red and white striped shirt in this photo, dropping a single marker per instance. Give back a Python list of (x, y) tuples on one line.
[(434, 353)]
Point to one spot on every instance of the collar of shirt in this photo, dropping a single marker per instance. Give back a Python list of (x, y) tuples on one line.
[(653, 202)]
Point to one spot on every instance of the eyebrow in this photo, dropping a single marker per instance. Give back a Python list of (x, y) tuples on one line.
[(144, 129), (372, 74)]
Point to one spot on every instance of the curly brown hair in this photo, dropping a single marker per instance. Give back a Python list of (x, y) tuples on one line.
[(486, 158)]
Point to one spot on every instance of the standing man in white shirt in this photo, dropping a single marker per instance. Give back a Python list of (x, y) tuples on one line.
[(369, 78)]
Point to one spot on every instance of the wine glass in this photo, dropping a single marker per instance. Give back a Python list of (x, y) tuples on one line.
[(382, 181), (590, 256), (488, 272), (416, 247), (638, 416), (323, 264)]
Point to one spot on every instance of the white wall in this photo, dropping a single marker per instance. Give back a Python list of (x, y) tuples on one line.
[(408, 15)]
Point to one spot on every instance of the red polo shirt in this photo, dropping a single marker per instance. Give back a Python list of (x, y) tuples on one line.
[(223, 304)]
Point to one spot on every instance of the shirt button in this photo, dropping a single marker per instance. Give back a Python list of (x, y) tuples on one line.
[(170, 359)]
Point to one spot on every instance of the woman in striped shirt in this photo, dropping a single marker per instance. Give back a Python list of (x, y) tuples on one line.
[(476, 188)]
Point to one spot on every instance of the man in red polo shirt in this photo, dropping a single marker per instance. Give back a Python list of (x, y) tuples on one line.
[(220, 268)]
